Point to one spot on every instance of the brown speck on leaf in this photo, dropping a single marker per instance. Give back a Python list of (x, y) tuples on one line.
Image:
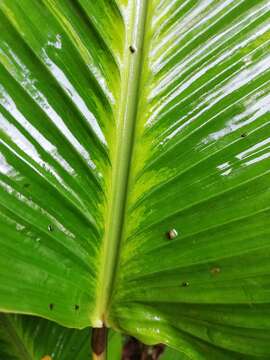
[(215, 270), (46, 357)]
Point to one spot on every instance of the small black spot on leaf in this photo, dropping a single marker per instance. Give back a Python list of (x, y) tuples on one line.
[(77, 307), (50, 227), (132, 49), (51, 306), (185, 284), (26, 185), (243, 135)]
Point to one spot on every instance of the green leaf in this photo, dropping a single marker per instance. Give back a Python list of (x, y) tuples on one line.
[(171, 354), (31, 338), (134, 158)]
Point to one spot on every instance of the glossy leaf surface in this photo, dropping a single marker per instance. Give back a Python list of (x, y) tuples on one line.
[(122, 121)]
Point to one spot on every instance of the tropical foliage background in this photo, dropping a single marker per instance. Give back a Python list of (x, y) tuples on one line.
[(134, 173)]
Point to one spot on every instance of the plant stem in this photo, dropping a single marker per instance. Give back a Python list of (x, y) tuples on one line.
[(99, 357), (99, 343)]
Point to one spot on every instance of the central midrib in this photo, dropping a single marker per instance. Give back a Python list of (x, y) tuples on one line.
[(121, 162)]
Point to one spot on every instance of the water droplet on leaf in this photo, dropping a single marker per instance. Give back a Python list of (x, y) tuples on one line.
[(171, 234)]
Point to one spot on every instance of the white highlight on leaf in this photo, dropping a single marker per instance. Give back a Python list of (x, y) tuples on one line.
[(57, 43), (253, 150), (6, 168), (74, 95)]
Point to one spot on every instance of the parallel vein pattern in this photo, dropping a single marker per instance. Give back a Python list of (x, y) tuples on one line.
[(59, 87), (180, 87), (30, 338), (201, 167)]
